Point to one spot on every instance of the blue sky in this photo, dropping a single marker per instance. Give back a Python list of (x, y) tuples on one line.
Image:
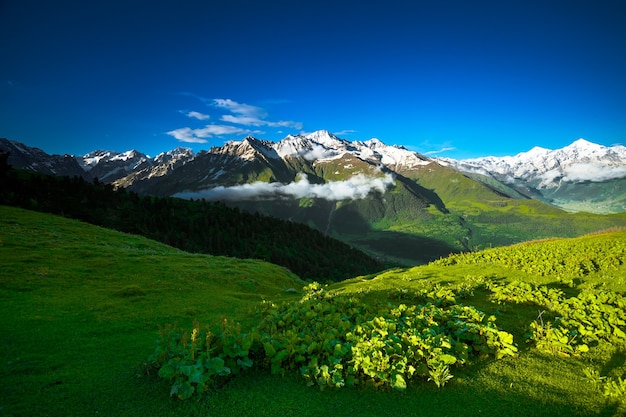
[(447, 78)]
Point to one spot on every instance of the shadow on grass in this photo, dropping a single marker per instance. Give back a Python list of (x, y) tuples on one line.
[(260, 394), (407, 249), (415, 250)]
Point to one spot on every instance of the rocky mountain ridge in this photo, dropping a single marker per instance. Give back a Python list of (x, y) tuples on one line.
[(580, 176), (384, 200)]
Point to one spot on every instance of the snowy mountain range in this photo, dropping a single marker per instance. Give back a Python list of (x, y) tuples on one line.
[(581, 176), (579, 162)]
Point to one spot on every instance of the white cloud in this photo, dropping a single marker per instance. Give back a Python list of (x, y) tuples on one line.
[(357, 187), (200, 135), (248, 115), (255, 121), (240, 114), (198, 115), (239, 108), (344, 132), (318, 152), (592, 172), (187, 135), (442, 150)]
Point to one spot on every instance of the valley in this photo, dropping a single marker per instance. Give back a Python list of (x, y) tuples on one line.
[(369, 194), (381, 282)]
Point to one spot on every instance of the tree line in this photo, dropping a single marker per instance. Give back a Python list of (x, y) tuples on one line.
[(194, 226)]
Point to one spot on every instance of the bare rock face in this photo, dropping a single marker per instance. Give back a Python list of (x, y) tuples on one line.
[(34, 159)]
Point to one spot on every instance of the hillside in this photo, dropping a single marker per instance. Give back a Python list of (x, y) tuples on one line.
[(392, 203), (81, 306), (194, 226), (582, 176), (99, 297)]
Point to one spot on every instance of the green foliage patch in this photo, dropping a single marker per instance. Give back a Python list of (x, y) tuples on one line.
[(563, 259), (98, 297), (578, 322), (197, 361), (336, 341)]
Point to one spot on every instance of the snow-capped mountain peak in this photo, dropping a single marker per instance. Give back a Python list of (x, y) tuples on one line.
[(323, 145), (110, 165), (179, 152), (580, 161), (323, 137), (319, 145), (91, 159)]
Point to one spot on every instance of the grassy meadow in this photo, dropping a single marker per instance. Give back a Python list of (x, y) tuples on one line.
[(81, 307)]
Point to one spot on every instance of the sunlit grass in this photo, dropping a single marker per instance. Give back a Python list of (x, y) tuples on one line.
[(80, 308)]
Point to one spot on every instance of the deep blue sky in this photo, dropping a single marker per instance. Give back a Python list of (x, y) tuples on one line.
[(474, 77)]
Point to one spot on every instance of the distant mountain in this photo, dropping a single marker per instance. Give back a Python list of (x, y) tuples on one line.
[(34, 159), (387, 200), (109, 166), (321, 156), (581, 176)]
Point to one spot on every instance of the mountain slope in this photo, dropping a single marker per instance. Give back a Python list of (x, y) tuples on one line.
[(581, 176), (388, 201), (101, 297), (194, 226), (82, 305), (34, 159)]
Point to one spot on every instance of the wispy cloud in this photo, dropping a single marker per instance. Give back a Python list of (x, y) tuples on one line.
[(239, 117), (442, 150), (344, 132), (239, 108), (248, 115), (197, 115), (318, 152), (200, 135), (255, 121), (357, 187)]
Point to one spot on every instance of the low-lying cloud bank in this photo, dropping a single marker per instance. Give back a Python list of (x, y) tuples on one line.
[(355, 188), (593, 172), (583, 172)]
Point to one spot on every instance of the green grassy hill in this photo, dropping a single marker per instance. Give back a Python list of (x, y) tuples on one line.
[(193, 226), (490, 216), (433, 210), (81, 307)]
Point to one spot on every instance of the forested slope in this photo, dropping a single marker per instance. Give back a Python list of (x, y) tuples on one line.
[(194, 226)]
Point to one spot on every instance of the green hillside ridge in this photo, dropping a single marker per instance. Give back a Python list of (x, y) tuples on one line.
[(81, 308), (194, 226), (433, 210), (496, 217)]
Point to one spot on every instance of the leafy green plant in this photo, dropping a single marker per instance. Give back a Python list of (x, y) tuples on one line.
[(615, 388), (336, 341), (563, 259), (196, 361), (440, 374), (580, 322), (610, 387)]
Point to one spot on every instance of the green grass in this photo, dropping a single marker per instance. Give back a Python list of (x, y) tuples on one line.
[(80, 308), (81, 305)]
